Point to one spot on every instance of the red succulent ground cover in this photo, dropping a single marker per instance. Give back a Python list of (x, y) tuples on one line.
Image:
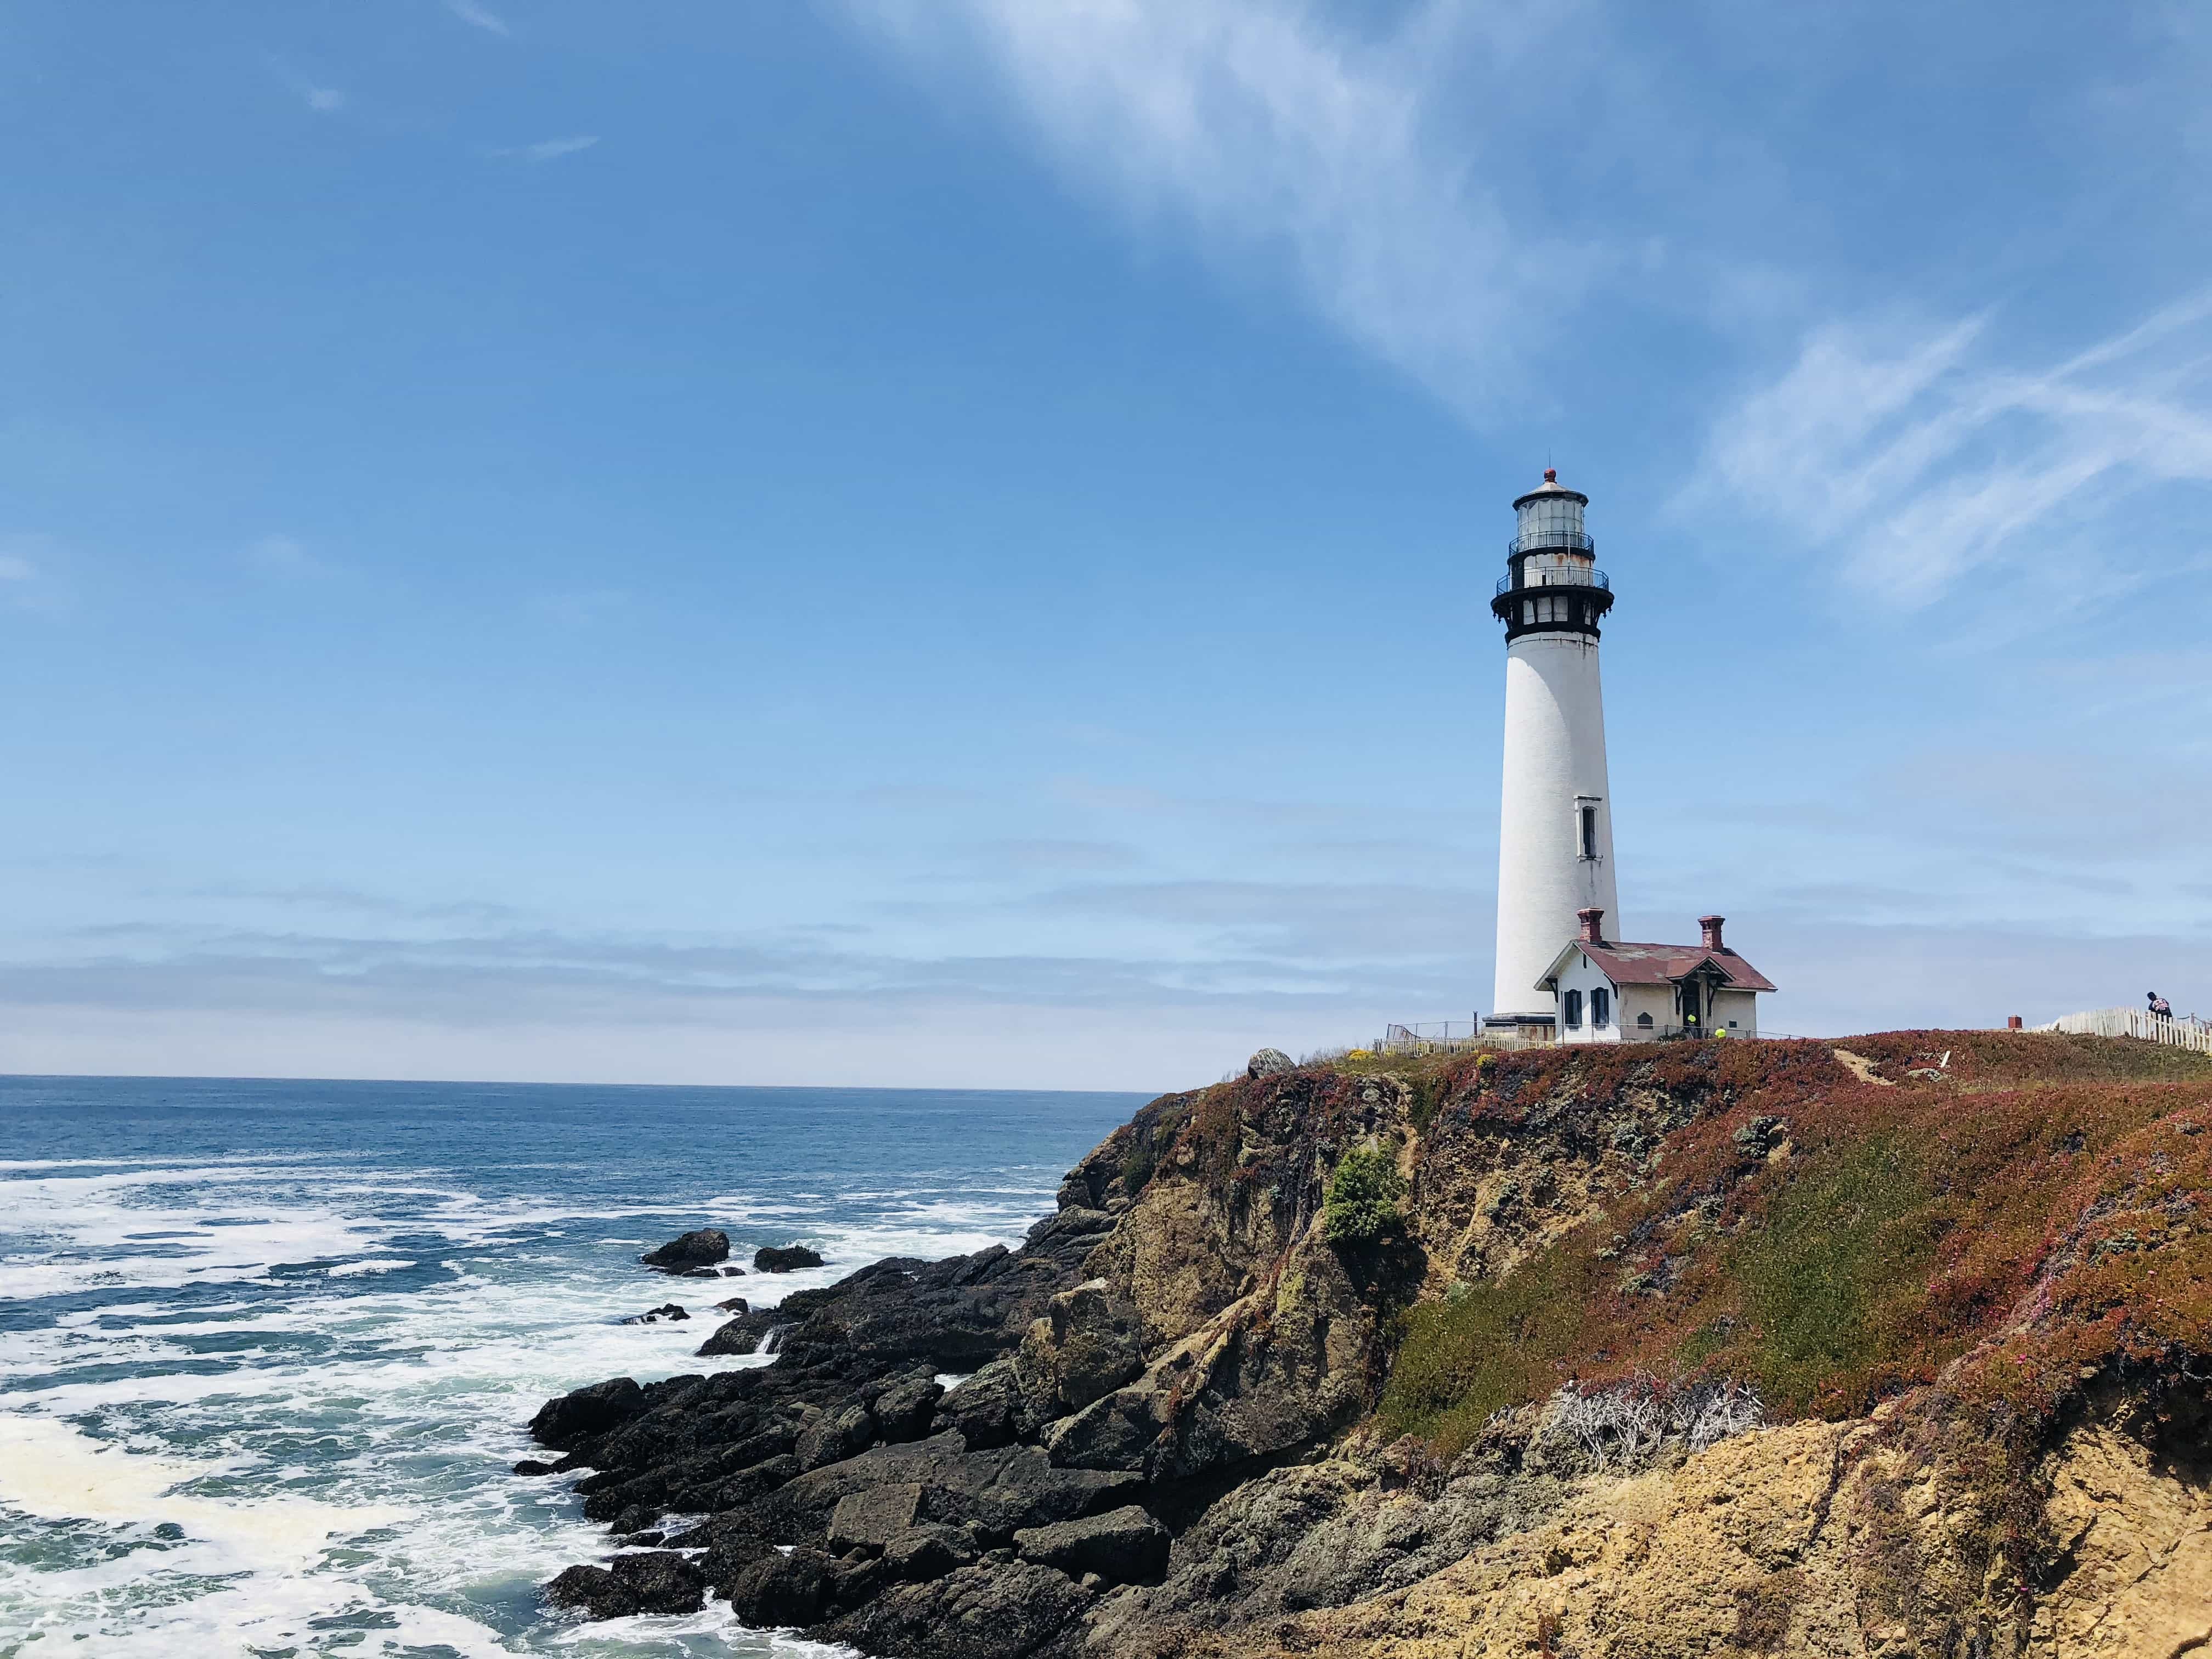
[(2029, 1216)]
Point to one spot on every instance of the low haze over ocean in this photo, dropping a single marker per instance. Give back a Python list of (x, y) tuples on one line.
[(268, 1347)]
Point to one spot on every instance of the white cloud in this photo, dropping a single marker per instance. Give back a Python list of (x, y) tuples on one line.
[(324, 100), (549, 149), (1268, 132), (1915, 460), (477, 17)]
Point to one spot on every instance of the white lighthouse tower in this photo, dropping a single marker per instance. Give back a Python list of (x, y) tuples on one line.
[(1555, 826)]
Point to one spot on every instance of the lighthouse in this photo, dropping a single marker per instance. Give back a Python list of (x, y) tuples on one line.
[(1555, 820)]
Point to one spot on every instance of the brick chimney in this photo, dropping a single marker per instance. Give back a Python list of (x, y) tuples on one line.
[(1712, 927), (2013, 1022), (1593, 925)]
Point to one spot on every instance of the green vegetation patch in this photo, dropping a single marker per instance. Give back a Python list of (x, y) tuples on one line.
[(1832, 1279), (1485, 1346), (1362, 1202)]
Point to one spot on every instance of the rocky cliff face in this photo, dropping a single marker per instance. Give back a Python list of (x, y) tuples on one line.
[(1724, 1346)]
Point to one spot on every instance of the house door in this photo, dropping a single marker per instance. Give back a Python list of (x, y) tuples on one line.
[(1693, 1006)]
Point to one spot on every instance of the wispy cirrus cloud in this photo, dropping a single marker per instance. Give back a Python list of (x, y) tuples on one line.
[(1917, 457), (1269, 132), (321, 99), (548, 150), (479, 17)]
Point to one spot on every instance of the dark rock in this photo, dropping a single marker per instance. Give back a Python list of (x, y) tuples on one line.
[(1121, 1546), (994, 1493), (980, 1612), (661, 1581), (669, 1310), (736, 1304), (733, 1272), (1268, 1063), (834, 1439), (649, 1538), (984, 1407), (928, 1551), (871, 1519), (736, 1338), (784, 1258), (562, 1423), (904, 1410), (854, 1578), (691, 1273), (656, 1581), (702, 1248), (596, 1590), (781, 1590), (531, 1465), (732, 1543)]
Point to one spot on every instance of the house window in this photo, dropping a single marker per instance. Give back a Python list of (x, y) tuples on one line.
[(1601, 1008), (1644, 1022), (1571, 1008), (1590, 832)]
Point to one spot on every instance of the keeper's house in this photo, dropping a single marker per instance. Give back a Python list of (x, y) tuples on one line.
[(1612, 991)]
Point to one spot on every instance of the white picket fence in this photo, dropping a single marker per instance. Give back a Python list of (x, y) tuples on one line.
[(2136, 1023)]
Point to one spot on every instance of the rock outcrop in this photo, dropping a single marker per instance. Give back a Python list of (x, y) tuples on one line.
[(1184, 1426), (705, 1248)]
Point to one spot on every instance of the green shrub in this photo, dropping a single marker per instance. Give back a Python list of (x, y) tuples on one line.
[(1363, 1197)]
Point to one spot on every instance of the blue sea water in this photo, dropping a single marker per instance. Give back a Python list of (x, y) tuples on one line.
[(267, 1348)]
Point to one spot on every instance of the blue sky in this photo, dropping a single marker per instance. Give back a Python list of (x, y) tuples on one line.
[(948, 543)]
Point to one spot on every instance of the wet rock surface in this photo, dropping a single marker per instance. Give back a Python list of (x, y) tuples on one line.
[(703, 1248), (784, 1258)]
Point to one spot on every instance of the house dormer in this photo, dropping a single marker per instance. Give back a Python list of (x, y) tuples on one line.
[(1611, 991)]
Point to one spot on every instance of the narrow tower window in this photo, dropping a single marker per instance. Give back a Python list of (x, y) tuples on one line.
[(1590, 832)]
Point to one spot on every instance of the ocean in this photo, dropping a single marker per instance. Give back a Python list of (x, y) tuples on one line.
[(267, 1348)]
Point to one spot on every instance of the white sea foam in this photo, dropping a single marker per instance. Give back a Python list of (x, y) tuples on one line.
[(275, 1400)]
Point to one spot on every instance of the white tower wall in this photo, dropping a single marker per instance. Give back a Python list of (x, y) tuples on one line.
[(1554, 770)]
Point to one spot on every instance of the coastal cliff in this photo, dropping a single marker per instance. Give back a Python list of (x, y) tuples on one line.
[(1898, 1346)]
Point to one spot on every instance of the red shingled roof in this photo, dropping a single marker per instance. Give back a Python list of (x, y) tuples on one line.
[(1662, 964)]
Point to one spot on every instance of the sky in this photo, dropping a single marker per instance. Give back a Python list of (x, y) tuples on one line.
[(948, 543)]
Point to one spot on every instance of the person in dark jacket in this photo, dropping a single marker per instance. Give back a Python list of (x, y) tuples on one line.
[(2159, 1006)]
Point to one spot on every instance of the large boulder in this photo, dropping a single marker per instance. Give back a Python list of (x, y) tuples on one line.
[(702, 1248), (1085, 1347), (776, 1591), (1267, 1063), (652, 1581), (784, 1258), (577, 1415), (1122, 1545), (929, 1551), (981, 1612), (903, 1410), (871, 1519), (994, 1493), (833, 1438)]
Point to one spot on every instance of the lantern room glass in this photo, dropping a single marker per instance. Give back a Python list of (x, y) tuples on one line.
[(1551, 520)]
